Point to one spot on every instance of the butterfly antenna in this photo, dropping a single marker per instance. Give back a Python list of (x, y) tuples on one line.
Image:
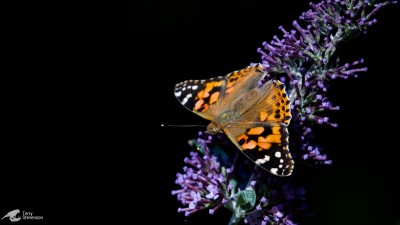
[(169, 125)]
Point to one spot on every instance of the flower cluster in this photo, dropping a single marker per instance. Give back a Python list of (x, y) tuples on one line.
[(212, 179), (304, 59), (205, 184)]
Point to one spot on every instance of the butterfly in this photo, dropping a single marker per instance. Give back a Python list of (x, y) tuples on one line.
[(255, 118)]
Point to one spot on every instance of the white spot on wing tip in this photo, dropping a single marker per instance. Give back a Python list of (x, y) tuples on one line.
[(184, 101), (262, 161), (178, 94), (278, 154), (274, 170), (194, 87)]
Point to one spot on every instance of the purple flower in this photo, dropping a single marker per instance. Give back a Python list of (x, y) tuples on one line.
[(206, 183), (203, 185), (263, 200), (332, 22), (304, 58)]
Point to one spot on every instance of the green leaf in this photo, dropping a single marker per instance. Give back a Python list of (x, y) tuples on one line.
[(246, 199)]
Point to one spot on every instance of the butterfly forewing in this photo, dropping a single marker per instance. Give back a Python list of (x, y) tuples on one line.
[(211, 97), (254, 118), (199, 95)]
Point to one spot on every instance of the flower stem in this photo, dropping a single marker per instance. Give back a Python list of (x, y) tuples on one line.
[(235, 219)]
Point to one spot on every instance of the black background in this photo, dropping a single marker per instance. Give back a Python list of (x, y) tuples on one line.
[(85, 90)]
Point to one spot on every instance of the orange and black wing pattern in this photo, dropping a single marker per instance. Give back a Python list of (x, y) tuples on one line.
[(210, 97), (254, 117)]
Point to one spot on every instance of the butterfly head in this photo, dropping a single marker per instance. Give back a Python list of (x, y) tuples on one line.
[(213, 128)]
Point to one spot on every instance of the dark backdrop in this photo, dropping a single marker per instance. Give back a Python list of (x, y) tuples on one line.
[(85, 90)]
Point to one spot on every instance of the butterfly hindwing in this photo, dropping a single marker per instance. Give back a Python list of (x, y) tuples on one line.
[(267, 145)]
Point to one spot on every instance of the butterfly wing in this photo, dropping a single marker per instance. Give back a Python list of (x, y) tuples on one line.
[(199, 95), (260, 132), (209, 98), (254, 118)]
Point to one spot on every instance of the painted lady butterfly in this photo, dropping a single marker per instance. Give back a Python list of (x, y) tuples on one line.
[(255, 118)]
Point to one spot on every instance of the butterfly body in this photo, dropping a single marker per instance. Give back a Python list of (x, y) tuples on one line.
[(254, 117)]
